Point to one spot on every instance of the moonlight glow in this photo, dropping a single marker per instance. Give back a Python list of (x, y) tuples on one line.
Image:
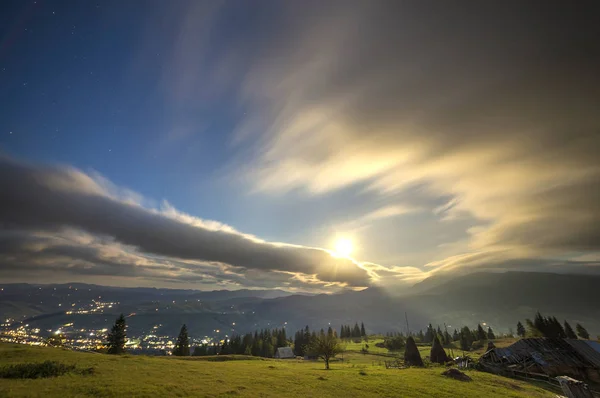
[(343, 247)]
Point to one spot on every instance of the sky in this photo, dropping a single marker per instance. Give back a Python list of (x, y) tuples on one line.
[(227, 144)]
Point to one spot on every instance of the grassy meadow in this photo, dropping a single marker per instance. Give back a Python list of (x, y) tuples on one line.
[(142, 376)]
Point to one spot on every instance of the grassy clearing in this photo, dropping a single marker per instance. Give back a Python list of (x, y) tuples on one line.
[(141, 376)]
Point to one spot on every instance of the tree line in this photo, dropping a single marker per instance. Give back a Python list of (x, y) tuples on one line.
[(542, 326), (347, 332), (261, 343)]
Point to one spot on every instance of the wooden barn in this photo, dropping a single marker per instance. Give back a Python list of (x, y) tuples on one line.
[(284, 353), (544, 356)]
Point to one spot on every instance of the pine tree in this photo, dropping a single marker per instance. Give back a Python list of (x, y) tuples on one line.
[(581, 332), (541, 324), (363, 332), (182, 346), (356, 330), (428, 334), (520, 329), (569, 331), (438, 354), (557, 329), (490, 334), (117, 337), (447, 338), (532, 330), (481, 335), (412, 356), (456, 335), (465, 344)]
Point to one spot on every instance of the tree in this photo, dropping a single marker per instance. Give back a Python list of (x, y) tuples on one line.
[(182, 346), (490, 334), (466, 338), (447, 338), (438, 354), (532, 330), (330, 331), (394, 343), (569, 331), (363, 332), (325, 346), (200, 350), (465, 344), (116, 337), (581, 332), (520, 329), (456, 335), (356, 331), (428, 334), (412, 356), (481, 335)]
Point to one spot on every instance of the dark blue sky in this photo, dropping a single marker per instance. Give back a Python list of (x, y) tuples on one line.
[(83, 83)]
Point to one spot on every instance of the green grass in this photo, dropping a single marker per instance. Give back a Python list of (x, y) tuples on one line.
[(139, 376)]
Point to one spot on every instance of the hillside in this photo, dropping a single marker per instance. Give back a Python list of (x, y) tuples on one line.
[(142, 376), (499, 300)]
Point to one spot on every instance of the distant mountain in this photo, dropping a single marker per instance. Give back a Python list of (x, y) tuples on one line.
[(502, 299), (499, 300)]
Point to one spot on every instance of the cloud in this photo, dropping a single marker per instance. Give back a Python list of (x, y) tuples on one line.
[(489, 105), (50, 199)]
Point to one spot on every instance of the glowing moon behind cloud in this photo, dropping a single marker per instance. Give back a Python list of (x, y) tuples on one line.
[(343, 247)]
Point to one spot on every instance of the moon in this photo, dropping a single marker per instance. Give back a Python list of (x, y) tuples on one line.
[(343, 247)]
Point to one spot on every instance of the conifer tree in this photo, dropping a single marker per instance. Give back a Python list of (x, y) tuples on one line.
[(481, 335), (520, 329), (447, 338), (569, 331), (581, 332), (490, 334), (428, 338), (182, 346), (455, 335), (356, 330), (363, 332), (117, 337), (412, 356), (465, 343)]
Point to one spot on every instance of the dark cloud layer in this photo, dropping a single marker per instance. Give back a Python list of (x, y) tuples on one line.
[(39, 198)]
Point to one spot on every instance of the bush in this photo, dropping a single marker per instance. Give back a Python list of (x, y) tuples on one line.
[(477, 344), (394, 343), (36, 370)]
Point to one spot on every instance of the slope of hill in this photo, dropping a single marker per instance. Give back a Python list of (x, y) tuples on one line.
[(141, 376), (502, 299), (498, 300)]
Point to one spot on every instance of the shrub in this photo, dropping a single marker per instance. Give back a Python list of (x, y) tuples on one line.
[(35, 370), (477, 344)]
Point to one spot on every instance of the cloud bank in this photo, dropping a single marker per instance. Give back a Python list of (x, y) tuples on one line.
[(42, 206)]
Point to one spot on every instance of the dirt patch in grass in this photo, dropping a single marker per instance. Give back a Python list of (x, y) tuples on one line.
[(456, 375)]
